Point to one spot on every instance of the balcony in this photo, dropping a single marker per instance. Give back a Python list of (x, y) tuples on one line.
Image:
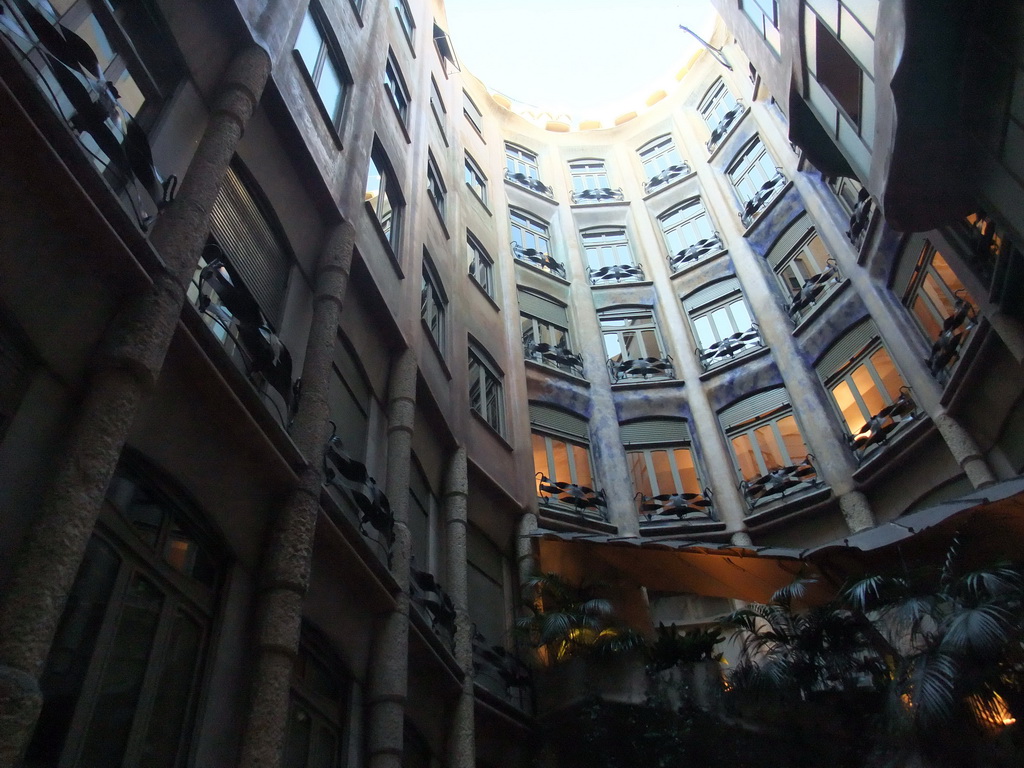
[(530, 183), (860, 217), (236, 319), (813, 289), (554, 356), (730, 347), (670, 174), (761, 198), (985, 243), (724, 125), (697, 251), (434, 604), (642, 369), (776, 483), (682, 506), (538, 260), (878, 428), (630, 273), (598, 195), (501, 673), (351, 478), (69, 76), (581, 498)]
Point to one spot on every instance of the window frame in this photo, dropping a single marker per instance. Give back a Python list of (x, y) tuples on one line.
[(437, 103), (490, 379), (433, 304), (640, 322), (436, 189), (396, 88), (602, 238), (587, 173), (474, 117), (711, 105), (765, 21), (531, 229), (741, 170), (519, 159), (481, 265), (328, 54), (672, 238), (406, 21), (658, 155), (847, 375), (792, 280), (390, 224), (771, 418), (479, 188)]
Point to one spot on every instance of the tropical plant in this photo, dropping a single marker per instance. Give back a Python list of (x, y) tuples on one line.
[(567, 620), (672, 647)]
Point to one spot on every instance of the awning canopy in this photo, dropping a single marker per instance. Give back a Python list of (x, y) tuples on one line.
[(989, 523)]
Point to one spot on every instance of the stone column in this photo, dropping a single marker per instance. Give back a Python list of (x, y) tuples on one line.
[(124, 368), (461, 741), (856, 511), (289, 555), (389, 661), (964, 450)]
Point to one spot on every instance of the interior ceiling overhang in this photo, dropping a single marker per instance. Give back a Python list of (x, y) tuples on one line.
[(989, 524), (808, 133)]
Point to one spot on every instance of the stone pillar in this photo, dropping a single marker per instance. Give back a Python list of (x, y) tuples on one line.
[(856, 511), (526, 564), (461, 738), (289, 555), (125, 367), (388, 685), (965, 451)]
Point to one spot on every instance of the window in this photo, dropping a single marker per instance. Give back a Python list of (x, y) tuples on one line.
[(436, 190), (802, 265), (528, 232), (472, 113), (322, 65), (394, 84), (488, 605), (433, 303), (405, 19), (486, 396), (318, 707), (763, 433), (349, 401), (121, 684), (608, 255), (425, 530), (862, 379), (437, 107), (751, 170), (632, 345), (384, 198), (561, 452), (588, 174), (475, 179), (765, 15), (689, 234), (716, 105), (521, 161), (481, 265), (545, 331), (659, 156), (721, 322), (659, 457), (837, 72)]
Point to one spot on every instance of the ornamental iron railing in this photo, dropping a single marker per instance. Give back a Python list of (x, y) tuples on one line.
[(501, 672), (812, 289), (693, 253), (644, 368), (538, 259), (726, 123), (683, 506), (860, 217), (878, 428), (351, 477), (580, 497), (776, 483), (729, 347), (434, 603), (617, 273), (956, 328), (69, 76), (598, 195), (531, 183), (760, 199), (554, 356), (670, 174)]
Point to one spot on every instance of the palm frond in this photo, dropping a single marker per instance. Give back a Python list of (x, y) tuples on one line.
[(982, 630), (795, 591), (875, 591), (930, 686)]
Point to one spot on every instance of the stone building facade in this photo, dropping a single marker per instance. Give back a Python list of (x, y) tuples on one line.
[(304, 336)]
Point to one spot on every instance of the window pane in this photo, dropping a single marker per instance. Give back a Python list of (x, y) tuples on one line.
[(770, 449), (687, 471), (560, 467), (865, 384), (791, 439), (852, 414), (540, 455), (705, 334), (744, 451), (887, 373), (663, 472), (582, 458), (925, 313), (329, 89), (638, 471)]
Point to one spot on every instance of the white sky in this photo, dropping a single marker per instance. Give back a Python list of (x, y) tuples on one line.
[(574, 55)]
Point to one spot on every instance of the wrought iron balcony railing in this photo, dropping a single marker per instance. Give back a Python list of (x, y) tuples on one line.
[(985, 244), (630, 273), (598, 195), (350, 476), (554, 356), (644, 368), (264, 356), (860, 217), (532, 184), (729, 347), (669, 174), (762, 197), (69, 76), (427, 595), (683, 506), (720, 130), (538, 259), (693, 253), (955, 330), (813, 288), (877, 429), (776, 483), (500, 672), (582, 498)]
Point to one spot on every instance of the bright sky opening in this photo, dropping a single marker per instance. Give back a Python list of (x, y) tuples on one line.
[(575, 56)]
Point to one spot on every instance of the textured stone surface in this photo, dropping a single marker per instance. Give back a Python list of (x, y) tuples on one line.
[(856, 511), (966, 452)]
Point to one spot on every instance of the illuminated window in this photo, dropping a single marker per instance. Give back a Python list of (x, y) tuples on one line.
[(660, 458), (561, 446), (764, 436), (933, 292)]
